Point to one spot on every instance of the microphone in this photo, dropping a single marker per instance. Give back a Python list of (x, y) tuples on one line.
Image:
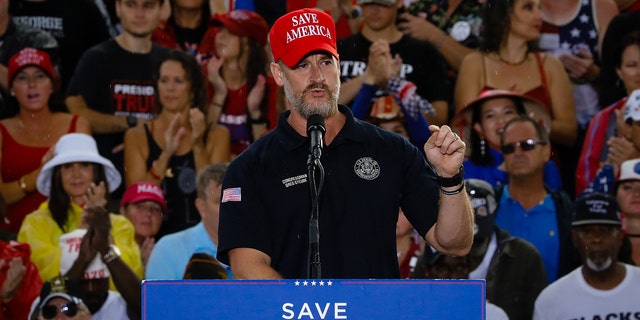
[(315, 131)]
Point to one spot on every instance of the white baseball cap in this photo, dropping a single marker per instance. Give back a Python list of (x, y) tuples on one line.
[(630, 170)]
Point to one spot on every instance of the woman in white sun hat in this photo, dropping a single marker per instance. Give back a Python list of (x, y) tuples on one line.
[(76, 177)]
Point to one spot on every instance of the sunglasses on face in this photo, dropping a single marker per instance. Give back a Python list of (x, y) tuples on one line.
[(69, 309), (525, 145)]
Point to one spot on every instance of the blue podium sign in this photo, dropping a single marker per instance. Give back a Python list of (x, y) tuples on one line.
[(313, 299)]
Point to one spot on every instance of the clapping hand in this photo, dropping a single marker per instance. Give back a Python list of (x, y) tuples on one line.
[(255, 97), (173, 135), (145, 250), (380, 64), (96, 195), (214, 77), (198, 125), (620, 150), (99, 228)]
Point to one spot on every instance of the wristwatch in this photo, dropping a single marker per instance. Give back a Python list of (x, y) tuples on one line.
[(457, 179), (111, 255), (132, 121)]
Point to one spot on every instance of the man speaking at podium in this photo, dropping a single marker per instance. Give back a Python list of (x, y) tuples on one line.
[(368, 175)]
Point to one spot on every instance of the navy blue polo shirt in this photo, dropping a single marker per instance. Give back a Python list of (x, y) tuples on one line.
[(369, 174)]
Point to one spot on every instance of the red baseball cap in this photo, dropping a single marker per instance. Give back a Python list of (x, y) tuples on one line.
[(30, 57), (300, 32), (143, 191), (243, 23)]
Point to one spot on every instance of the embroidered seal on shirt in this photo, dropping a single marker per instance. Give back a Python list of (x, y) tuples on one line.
[(367, 168)]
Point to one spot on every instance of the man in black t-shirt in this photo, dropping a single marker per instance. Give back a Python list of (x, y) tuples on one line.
[(381, 38), (112, 86)]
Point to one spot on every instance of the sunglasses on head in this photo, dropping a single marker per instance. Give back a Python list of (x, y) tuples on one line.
[(68, 309), (525, 145)]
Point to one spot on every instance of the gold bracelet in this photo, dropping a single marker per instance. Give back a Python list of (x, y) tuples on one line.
[(23, 185)]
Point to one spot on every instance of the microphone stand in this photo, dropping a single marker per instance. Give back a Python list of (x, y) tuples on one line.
[(313, 165)]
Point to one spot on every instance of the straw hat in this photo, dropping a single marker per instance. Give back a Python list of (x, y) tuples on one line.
[(462, 121)]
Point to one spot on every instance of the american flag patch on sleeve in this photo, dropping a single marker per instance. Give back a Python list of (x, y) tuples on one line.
[(231, 194)]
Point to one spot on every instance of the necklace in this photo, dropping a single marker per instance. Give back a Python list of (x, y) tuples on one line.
[(42, 136), (517, 63)]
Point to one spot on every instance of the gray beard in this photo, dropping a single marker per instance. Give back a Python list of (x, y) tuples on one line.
[(598, 267), (325, 109)]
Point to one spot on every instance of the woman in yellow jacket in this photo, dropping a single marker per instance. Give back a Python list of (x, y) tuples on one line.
[(76, 176)]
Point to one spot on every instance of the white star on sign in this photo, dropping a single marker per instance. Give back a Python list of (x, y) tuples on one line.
[(313, 283), (329, 283), (321, 283), (305, 283), (297, 283)]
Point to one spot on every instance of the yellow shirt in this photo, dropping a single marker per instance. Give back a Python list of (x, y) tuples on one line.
[(42, 233)]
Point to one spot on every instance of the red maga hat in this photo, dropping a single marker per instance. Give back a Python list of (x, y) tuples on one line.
[(300, 32), (243, 23), (30, 57)]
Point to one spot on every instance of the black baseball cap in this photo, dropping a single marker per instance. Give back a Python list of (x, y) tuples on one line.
[(483, 202), (596, 208)]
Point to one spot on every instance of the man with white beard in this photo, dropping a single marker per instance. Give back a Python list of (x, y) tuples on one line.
[(603, 287)]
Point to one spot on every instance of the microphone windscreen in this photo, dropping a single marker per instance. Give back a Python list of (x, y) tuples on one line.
[(315, 122)]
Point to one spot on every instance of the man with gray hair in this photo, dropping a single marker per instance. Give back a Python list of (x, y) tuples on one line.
[(172, 253), (527, 208)]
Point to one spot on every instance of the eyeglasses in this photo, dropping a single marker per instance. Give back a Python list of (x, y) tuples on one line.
[(68, 309), (155, 210), (525, 145)]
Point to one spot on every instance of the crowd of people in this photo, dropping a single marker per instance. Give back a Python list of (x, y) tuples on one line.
[(155, 139)]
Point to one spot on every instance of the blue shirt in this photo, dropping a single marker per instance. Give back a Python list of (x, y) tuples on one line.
[(171, 254), (497, 177), (538, 225)]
